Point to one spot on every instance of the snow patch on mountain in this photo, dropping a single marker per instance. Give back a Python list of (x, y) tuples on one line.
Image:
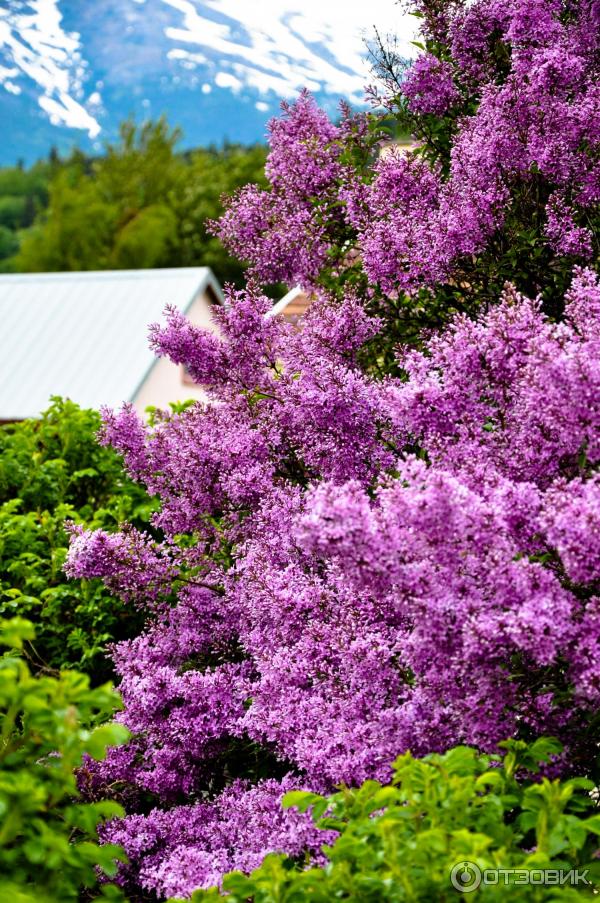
[(33, 44), (282, 47), (72, 70)]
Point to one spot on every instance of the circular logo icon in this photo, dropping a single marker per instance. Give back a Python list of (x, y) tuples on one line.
[(465, 877)]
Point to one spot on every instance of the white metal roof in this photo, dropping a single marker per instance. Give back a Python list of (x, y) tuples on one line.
[(84, 335), (281, 305)]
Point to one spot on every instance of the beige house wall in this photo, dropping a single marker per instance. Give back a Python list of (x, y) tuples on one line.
[(395, 147), (165, 381)]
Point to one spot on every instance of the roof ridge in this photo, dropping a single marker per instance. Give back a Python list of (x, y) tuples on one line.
[(74, 275)]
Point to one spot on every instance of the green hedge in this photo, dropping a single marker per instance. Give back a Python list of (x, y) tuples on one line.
[(52, 469), (49, 848)]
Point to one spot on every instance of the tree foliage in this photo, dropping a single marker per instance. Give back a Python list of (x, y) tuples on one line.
[(23, 195), (140, 205), (52, 470)]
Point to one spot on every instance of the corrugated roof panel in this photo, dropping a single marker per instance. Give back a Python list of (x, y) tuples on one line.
[(83, 335)]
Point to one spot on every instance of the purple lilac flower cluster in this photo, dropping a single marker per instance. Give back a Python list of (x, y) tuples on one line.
[(430, 87), (340, 598), (283, 231), (519, 79)]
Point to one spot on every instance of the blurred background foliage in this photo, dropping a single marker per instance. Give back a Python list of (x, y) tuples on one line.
[(142, 204)]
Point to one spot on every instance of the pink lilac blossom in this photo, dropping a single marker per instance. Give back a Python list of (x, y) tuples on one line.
[(282, 232), (520, 79), (429, 86), (564, 235), (513, 388), (340, 598), (572, 525), (582, 303), (185, 847), (130, 563), (405, 197)]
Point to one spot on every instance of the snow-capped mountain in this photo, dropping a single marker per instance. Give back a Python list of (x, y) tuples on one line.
[(71, 70)]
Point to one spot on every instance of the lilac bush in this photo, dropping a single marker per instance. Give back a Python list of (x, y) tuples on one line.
[(350, 567), (357, 556)]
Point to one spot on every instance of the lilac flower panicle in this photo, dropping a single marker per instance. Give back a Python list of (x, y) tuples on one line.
[(429, 86)]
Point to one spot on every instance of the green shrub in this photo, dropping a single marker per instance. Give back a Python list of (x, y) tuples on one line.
[(52, 469), (455, 813), (48, 839)]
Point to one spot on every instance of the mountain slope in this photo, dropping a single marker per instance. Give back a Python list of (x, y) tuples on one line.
[(71, 70)]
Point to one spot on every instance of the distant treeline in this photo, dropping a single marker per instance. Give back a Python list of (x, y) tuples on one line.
[(141, 204)]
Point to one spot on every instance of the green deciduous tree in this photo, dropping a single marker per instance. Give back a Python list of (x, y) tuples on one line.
[(23, 193), (140, 205)]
